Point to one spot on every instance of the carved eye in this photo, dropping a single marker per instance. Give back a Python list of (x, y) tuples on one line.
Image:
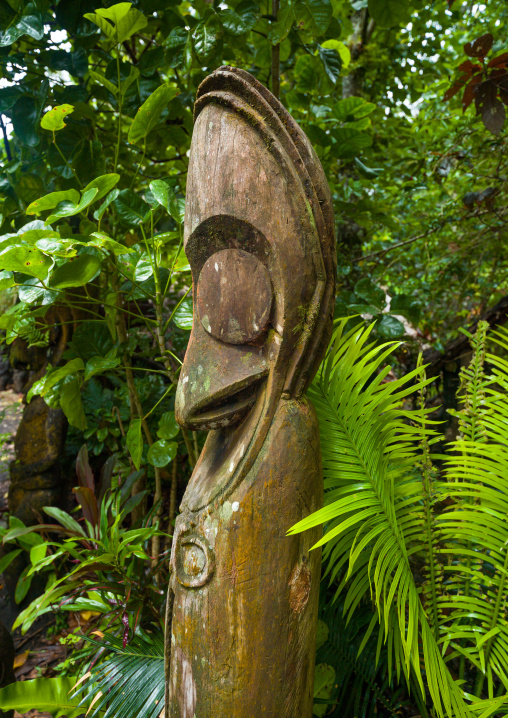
[(234, 296)]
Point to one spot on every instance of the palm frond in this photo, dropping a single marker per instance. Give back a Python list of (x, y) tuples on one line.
[(130, 682)]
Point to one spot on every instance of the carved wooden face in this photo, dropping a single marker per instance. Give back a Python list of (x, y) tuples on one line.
[(253, 228)]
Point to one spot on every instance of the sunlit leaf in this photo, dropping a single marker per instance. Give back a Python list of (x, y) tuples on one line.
[(54, 119), (150, 111)]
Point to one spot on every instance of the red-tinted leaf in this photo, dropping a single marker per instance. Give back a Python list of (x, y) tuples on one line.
[(83, 470), (469, 93), (485, 94), (469, 68), (106, 474), (88, 502), (453, 89), (480, 46), (493, 116), (500, 60)]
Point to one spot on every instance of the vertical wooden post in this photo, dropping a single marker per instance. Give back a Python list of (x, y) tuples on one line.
[(259, 236)]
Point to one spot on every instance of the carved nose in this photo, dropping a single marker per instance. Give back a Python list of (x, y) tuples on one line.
[(218, 381)]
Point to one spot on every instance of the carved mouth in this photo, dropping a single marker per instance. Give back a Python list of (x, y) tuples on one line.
[(225, 411)]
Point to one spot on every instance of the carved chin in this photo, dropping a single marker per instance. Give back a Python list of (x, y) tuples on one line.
[(226, 411)]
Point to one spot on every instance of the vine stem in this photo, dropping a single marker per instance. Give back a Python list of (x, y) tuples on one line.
[(275, 56), (66, 162), (119, 83)]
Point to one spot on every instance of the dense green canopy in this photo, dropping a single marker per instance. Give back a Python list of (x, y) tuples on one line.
[(418, 176)]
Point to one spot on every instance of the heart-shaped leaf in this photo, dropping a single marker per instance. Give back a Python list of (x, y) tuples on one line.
[(162, 452)]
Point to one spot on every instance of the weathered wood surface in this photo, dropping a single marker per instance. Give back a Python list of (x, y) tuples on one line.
[(260, 241)]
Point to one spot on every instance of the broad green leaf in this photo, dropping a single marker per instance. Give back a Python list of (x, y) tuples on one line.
[(75, 272), (165, 196), (343, 50), (168, 428), (98, 365), (99, 77), (104, 184), (102, 241), (91, 339), (307, 69), (242, 19), (390, 327), (26, 259), (324, 680), (54, 119), (115, 13), (107, 28), (406, 305), (126, 20), (134, 442), (130, 208), (32, 235), (279, 30), (313, 16), (349, 141), (43, 694), (162, 452), (143, 271), (98, 214), (29, 24), (332, 62), (183, 315), (32, 291), (70, 402), (352, 108), (69, 209), (57, 247), (6, 280), (177, 209), (370, 293), (207, 37), (48, 381), (388, 13), (175, 45), (150, 111), (162, 193), (51, 200)]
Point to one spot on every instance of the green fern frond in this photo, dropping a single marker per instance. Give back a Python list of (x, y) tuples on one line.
[(373, 510), (475, 526)]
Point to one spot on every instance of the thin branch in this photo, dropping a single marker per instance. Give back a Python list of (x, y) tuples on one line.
[(275, 73), (6, 139), (393, 246)]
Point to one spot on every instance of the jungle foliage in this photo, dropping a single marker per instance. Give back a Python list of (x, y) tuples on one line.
[(405, 105), (426, 546)]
